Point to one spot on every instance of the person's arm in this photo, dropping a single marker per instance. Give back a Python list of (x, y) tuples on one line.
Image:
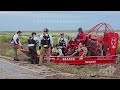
[(76, 51), (51, 41), (66, 42), (36, 39), (20, 43), (40, 41)]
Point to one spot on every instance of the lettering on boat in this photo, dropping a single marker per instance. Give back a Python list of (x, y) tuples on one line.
[(68, 59), (90, 61)]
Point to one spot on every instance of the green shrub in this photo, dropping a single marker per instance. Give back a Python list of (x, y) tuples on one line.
[(55, 35), (55, 40), (4, 38), (24, 40), (68, 37), (118, 50)]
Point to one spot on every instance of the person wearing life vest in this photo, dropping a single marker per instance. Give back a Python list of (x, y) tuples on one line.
[(81, 37), (16, 44), (45, 45), (62, 42), (56, 51), (32, 43)]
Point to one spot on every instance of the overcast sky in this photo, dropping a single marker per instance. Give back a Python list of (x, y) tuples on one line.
[(56, 20)]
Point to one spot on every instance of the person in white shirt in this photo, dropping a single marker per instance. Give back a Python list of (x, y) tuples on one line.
[(45, 45), (16, 44), (32, 43), (62, 42), (56, 51)]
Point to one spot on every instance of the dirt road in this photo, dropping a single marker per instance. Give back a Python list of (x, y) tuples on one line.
[(12, 71), (20, 70)]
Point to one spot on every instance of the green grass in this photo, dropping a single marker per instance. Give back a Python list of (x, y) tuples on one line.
[(23, 40), (4, 38), (10, 52), (118, 50)]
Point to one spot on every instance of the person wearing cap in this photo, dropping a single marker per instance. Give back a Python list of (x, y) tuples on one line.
[(16, 44), (81, 37), (32, 43), (62, 42), (45, 45)]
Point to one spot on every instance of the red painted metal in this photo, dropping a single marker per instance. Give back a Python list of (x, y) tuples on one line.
[(79, 60), (110, 38)]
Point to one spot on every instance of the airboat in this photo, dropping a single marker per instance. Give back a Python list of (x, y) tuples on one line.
[(108, 36)]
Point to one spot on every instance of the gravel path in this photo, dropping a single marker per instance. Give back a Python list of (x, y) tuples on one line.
[(19, 70), (12, 71)]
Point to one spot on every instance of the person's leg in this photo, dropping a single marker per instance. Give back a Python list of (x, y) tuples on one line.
[(48, 55), (15, 52), (42, 52), (31, 55), (35, 56), (63, 51)]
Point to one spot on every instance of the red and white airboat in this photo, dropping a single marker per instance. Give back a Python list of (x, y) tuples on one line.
[(109, 37)]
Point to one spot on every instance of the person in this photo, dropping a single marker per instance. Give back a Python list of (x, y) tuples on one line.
[(56, 51), (16, 44), (62, 42), (81, 37), (45, 45), (81, 51), (32, 43)]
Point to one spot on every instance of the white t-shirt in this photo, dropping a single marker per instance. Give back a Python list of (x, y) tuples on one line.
[(59, 51), (15, 37)]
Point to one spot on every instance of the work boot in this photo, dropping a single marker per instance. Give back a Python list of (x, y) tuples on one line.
[(32, 61), (37, 61), (16, 59)]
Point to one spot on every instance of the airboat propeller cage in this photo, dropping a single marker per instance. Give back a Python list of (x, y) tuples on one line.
[(110, 38), (107, 27)]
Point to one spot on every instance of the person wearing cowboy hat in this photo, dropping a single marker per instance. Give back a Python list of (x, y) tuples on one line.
[(45, 45)]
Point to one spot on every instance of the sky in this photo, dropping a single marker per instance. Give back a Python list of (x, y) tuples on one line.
[(56, 20)]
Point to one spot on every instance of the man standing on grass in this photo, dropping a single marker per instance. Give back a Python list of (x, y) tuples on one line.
[(16, 44), (45, 45)]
